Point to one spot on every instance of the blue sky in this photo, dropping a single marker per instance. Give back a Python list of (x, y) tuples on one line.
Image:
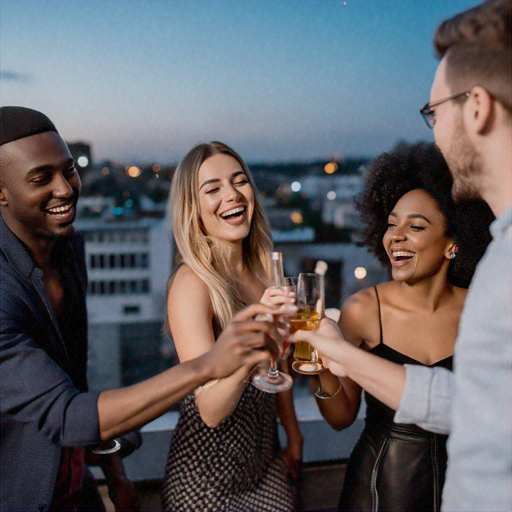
[(279, 80)]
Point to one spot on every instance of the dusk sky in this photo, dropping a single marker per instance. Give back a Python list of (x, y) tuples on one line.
[(279, 80)]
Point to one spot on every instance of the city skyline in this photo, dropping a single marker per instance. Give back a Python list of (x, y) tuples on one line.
[(279, 80)]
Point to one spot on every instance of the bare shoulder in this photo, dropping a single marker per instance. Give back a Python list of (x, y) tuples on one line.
[(359, 317), (190, 314), (187, 290)]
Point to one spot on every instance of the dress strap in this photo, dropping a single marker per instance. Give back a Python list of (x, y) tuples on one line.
[(381, 340)]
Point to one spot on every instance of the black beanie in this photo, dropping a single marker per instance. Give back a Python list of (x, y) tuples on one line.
[(19, 122)]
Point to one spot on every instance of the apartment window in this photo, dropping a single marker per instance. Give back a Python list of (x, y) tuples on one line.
[(144, 260), (144, 286), (131, 310)]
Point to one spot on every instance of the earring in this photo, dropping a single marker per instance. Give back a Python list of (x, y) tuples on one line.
[(453, 256)]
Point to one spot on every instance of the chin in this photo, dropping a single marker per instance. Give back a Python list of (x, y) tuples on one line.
[(64, 233)]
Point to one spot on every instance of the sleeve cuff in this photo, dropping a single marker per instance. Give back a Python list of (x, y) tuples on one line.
[(427, 398), (415, 399)]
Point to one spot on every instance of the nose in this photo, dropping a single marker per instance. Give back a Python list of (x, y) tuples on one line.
[(398, 235), (232, 193), (62, 187)]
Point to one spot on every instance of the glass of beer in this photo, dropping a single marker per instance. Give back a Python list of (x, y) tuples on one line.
[(307, 318)]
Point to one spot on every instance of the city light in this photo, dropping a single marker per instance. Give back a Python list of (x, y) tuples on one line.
[(295, 186), (156, 168), (331, 167), (296, 217), (360, 272), (331, 195), (133, 171), (105, 171), (82, 161)]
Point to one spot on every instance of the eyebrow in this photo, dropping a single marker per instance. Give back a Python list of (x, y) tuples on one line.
[(43, 168), (217, 180), (412, 216)]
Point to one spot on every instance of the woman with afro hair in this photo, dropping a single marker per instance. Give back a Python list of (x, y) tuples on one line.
[(431, 246)]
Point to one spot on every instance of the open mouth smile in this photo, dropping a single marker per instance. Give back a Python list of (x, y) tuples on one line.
[(401, 258), (235, 215), (62, 211)]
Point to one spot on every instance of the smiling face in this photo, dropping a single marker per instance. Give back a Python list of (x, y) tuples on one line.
[(39, 187), (226, 198), (416, 240)]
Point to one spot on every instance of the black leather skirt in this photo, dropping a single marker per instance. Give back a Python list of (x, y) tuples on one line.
[(395, 468)]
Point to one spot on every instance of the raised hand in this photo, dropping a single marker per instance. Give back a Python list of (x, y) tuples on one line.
[(329, 342), (246, 341)]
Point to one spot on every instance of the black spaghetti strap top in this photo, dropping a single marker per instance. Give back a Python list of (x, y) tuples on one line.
[(376, 412)]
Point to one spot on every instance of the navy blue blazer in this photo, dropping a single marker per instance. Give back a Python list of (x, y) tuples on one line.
[(44, 402)]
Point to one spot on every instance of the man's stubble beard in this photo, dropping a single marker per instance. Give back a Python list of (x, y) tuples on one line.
[(465, 165)]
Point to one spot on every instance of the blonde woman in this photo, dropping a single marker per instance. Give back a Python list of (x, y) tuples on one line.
[(224, 455)]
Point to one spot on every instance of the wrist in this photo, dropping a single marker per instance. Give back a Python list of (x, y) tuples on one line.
[(204, 368)]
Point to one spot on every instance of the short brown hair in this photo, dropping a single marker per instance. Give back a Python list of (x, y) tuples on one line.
[(476, 46)]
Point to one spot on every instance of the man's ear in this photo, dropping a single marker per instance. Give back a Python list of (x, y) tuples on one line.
[(479, 110)]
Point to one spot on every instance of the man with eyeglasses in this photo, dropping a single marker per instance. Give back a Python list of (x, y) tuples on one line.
[(470, 113)]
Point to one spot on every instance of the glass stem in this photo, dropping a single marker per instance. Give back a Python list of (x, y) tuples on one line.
[(273, 370)]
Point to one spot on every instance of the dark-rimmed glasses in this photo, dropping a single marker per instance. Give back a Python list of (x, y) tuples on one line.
[(429, 114)]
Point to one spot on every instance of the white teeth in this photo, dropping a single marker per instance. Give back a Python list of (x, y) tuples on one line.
[(238, 209), (398, 254), (60, 209)]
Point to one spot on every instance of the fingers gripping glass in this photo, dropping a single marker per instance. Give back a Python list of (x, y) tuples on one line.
[(272, 380), (428, 112)]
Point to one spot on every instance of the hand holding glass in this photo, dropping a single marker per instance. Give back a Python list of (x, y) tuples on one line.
[(272, 380)]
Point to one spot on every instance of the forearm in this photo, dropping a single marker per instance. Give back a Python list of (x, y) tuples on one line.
[(126, 409), (341, 409), (217, 400), (381, 378)]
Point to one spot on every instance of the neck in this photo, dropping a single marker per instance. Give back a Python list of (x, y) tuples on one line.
[(40, 248), (236, 260), (497, 167), (428, 294)]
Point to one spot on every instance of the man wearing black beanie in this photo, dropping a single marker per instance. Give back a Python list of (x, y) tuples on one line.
[(48, 416)]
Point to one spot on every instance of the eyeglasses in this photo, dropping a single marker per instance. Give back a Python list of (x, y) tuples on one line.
[(428, 112)]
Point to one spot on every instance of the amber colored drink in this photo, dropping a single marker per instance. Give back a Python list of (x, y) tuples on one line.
[(306, 319)]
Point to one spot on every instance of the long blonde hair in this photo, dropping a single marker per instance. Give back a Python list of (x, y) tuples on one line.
[(206, 255)]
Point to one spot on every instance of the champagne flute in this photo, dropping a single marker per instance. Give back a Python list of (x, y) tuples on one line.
[(271, 380), (307, 318)]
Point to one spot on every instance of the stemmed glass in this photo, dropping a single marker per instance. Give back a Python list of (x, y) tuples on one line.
[(272, 380), (307, 318)]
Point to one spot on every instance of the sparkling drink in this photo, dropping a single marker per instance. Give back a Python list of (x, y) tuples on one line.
[(306, 357)]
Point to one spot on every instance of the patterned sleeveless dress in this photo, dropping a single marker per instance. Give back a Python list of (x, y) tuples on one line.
[(234, 467), (394, 467)]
